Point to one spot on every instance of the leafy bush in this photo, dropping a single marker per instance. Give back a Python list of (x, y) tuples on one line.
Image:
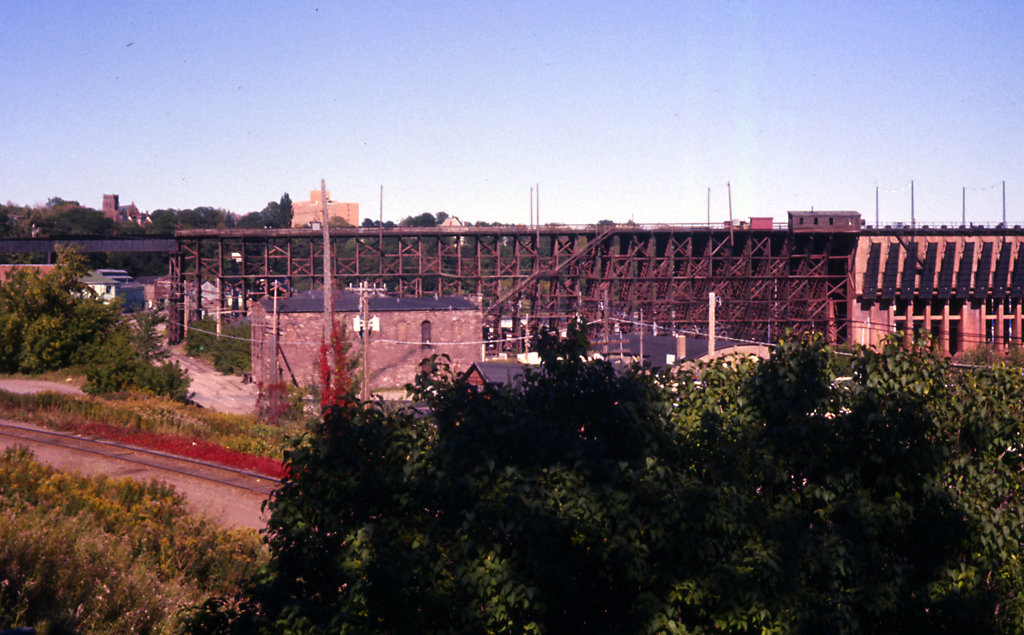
[(280, 403), (231, 353), (743, 496), (120, 364), (985, 355)]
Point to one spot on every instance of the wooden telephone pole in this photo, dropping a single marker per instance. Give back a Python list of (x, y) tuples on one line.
[(328, 273), (365, 326)]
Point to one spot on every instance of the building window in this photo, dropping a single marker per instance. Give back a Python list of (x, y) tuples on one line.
[(425, 334)]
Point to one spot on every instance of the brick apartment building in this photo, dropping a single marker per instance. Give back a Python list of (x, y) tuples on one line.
[(306, 212), (411, 329)]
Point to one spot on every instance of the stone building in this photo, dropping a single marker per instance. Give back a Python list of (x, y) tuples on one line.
[(410, 329), (306, 212), (118, 213)]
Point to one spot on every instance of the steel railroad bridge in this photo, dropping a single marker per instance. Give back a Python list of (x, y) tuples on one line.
[(764, 278)]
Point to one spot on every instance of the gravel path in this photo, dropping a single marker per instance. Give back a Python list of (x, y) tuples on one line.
[(224, 393), (32, 386)]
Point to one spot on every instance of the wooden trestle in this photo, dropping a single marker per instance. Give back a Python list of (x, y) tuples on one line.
[(765, 280)]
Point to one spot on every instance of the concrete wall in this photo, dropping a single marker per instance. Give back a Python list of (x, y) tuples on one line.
[(984, 312)]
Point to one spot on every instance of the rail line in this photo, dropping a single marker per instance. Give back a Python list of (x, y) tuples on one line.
[(232, 477)]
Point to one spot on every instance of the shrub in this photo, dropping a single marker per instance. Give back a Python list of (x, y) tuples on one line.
[(280, 403), (121, 365), (741, 497), (230, 353), (106, 555)]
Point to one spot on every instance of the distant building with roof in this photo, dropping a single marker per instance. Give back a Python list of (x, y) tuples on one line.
[(109, 284), (118, 213), (495, 373), (311, 211), (157, 290), (406, 330)]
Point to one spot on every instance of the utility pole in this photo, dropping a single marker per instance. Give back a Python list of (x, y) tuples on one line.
[(220, 304), (537, 219), (607, 324), (366, 327), (276, 368), (711, 322), (380, 237), (641, 337), (911, 204), (728, 186), (328, 273), (364, 313)]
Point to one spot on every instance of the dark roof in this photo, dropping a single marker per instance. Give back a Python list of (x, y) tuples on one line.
[(498, 372), (348, 302)]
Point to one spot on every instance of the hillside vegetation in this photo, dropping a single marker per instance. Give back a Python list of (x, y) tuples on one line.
[(98, 555)]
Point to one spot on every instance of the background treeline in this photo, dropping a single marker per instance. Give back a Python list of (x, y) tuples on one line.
[(69, 218), (741, 496), (63, 218)]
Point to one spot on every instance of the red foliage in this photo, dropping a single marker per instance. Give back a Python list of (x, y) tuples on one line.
[(335, 380), (181, 446), (272, 402)]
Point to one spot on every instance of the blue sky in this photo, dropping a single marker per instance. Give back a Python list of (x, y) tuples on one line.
[(618, 110)]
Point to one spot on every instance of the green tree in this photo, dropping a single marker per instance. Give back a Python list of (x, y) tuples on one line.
[(162, 222), (230, 353), (202, 218), (426, 219), (741, 496), (120, 365), (75, 220), (284, 210), (51, 321)]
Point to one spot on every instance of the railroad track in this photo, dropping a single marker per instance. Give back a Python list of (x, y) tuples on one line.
[(160, 461)]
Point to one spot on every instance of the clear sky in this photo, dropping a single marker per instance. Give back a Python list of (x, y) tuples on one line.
[(619, 111)]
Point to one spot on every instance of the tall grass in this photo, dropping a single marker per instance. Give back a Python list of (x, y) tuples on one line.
[(103, 555)]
